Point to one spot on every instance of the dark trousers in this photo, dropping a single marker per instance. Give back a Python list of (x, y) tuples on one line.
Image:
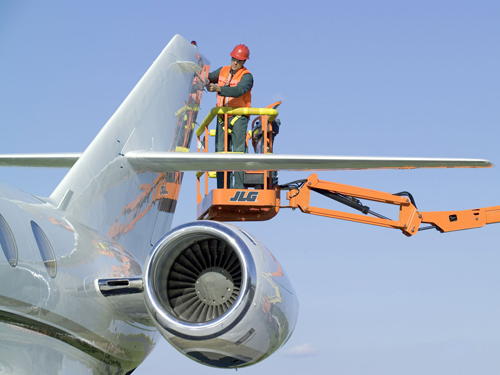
[(236, 143)]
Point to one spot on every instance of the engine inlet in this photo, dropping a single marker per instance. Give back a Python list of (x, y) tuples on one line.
[(204, 281), (218, 295)]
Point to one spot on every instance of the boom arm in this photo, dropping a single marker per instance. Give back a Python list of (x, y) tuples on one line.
[(410, 218)]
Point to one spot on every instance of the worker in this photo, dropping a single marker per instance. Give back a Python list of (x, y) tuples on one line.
[(233, 85)]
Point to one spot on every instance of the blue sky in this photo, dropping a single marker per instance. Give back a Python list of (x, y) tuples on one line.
[(384, 78)]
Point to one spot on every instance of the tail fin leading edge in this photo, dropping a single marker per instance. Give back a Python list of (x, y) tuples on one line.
[(107, 193)]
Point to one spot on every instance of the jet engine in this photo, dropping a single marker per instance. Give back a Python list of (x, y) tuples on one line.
[(218, 295)]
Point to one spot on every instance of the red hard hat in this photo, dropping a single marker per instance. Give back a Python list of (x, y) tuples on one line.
[(241, 52)]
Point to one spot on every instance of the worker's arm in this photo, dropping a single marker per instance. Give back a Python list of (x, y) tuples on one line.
[(213, 77), (242, 87)]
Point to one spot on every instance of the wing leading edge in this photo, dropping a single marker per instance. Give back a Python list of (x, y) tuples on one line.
[(181, 161), (59, 160)]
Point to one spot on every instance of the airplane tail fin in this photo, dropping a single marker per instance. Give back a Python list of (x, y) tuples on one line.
[(103, 189)]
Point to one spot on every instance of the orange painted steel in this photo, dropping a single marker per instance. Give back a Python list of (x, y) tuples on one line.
[(226, 131), (205, 149), (239, 205), (409, 219), (448, 221), (267, 139)]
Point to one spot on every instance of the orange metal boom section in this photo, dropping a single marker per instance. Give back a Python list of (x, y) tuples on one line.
[(410, 218)]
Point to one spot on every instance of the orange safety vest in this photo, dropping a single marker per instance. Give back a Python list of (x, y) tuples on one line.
[(244, 100)]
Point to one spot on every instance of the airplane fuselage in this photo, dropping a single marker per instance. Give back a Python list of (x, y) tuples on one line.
[(49, 298)]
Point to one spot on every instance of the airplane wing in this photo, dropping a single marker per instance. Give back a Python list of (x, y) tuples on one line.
[(39, 160), (181, 161)]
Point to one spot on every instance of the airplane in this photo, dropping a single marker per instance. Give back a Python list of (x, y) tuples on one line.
[(93, 276)]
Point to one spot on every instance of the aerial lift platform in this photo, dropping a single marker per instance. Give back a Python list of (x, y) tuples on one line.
[(261, 198)]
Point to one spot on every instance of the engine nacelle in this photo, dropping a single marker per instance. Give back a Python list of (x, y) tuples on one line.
[(218, 295)]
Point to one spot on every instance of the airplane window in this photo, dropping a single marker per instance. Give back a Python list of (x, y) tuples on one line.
[(49, 259), (7, 242)]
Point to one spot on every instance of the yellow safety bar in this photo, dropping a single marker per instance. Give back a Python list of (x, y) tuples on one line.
[(232, 111)]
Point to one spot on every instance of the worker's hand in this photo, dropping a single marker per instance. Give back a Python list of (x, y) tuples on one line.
[(212, 87), (198, 86)]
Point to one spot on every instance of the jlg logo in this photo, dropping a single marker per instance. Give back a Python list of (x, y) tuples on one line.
[(239, 196)]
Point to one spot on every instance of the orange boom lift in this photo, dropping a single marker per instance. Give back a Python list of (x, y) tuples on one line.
[(260, 200)]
